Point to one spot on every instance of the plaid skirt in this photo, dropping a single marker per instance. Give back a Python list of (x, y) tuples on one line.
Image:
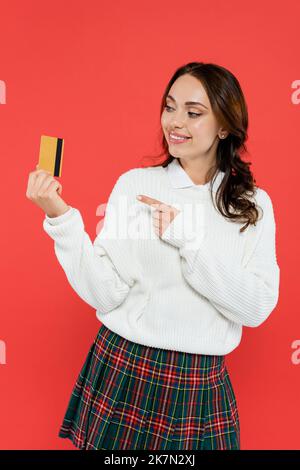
[(131, 396)]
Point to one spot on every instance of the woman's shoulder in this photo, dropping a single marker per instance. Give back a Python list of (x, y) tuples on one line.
[(128, 181), (142, 170), (263, 196), (263, 200), (136, 173)]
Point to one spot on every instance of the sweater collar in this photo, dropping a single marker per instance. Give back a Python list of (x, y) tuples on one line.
[(180, 179)]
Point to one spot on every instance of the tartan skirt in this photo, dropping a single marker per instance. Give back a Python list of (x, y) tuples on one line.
[(132, 396)]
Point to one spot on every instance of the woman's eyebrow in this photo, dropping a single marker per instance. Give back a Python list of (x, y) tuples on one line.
[(188, 102)]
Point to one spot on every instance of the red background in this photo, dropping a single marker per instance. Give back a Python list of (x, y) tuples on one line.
[(94, 73)]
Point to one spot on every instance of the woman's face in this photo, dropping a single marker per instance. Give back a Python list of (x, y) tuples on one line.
[(195, 121)]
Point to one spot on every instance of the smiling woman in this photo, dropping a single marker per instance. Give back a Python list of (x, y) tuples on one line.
[(172, 303)]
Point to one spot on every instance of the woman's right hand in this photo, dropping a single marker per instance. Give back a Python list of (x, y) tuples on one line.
[(44, 191)]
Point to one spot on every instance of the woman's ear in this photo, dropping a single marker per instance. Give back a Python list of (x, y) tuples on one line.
[(223, 134)]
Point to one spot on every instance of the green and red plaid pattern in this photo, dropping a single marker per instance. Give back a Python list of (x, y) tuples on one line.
[(132, 396)]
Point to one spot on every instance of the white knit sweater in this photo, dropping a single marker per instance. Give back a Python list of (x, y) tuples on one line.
[(190, 290)]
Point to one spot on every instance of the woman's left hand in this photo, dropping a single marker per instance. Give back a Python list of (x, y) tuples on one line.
[(163, 214)]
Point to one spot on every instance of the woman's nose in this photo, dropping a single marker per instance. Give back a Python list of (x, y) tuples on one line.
[(177, 122)]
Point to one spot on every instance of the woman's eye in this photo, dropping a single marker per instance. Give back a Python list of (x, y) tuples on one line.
[(190, 113), (195, 114)]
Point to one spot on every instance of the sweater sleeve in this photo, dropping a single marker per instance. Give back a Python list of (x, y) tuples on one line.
[(246, 292), (88, 268)]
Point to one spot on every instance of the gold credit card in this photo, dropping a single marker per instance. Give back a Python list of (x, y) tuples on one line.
[(51, 154)]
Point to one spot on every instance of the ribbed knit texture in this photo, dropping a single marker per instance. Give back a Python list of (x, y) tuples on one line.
[(190, 290)]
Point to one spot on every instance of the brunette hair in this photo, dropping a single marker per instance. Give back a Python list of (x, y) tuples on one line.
[(229, 106)]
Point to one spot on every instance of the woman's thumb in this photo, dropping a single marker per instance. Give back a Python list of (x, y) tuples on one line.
[(59, 189)]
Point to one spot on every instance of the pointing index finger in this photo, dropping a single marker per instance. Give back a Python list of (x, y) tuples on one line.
[(152, 202)]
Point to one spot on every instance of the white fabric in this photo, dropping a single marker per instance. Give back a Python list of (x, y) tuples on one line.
[(191, 290)]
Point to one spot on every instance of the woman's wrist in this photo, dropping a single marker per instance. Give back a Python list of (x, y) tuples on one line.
[(59, 212)]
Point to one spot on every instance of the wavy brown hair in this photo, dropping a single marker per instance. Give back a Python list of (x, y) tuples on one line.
[(230, 109)]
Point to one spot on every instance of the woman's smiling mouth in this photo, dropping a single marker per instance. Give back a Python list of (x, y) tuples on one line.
[(175, 138)]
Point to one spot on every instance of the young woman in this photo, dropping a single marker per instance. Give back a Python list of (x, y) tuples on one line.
[(174, 276)]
